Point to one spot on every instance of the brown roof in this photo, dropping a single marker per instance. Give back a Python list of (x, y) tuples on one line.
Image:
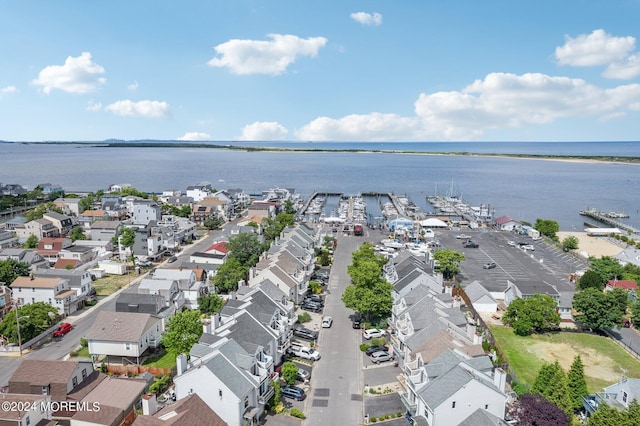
[(623, 284), (43, 372), (191, 410), (65, 294), (117, 392), (211, 201), (63, 263), (37, 282), (94, 213), (120, 326), (433, 346)]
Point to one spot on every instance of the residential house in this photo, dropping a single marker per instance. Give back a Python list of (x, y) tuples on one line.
[(24, 255), (619, 395), (126, 334), (153, 304), (526, 289), (63, 223), (88, 217), (629, 255), (66, 264), (5, 300), (146, 211), (451, 387), (146, 244), (80, 281), (183, 229), (199, 192), (260, 210), (7, 240), (117, 399), (101, 248), (50, 248), (118, 187), (209, 207), (505, 223), (55, 378), (40, 228), (49, 188), (627, 285), (53, 291), (410, 273), (216, 254), (231, 368), (168, 289), (12, 189), (192, 283), (103, 230), (28, 409), (83, 254), (113, 205), (14, 223), (481, 298), (190, 410), (69, 206), (240, 198)]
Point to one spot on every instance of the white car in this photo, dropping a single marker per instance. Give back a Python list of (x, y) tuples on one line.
[(528, 247), (326, 322), (372, 333), (511, 243), (462, 237), (378, 357)]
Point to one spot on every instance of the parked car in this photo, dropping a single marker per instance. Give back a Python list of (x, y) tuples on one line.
[(511, 243), (305, 333), (462, 237), (381, 356), (471, 244), (64, 328), (489, 265), (316, 298), (372, 333), (145, 263), (373, 349), (326, 322), (172, 259), (311, 307), (303, 375), (528, 247), (356, 320), (313, 301), (293, 392)]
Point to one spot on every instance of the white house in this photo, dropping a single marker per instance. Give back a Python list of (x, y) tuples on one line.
[(168, 289), (53, 291), (123, 334), (481, 298), (29, 412), (145, 211), (505, 223), (199, 192)]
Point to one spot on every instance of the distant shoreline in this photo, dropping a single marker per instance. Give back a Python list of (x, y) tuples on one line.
[(548, 157)]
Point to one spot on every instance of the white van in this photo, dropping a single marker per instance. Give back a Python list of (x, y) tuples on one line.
[(326, 322)]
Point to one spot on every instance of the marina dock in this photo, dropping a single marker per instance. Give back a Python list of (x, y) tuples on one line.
[(606, 218)]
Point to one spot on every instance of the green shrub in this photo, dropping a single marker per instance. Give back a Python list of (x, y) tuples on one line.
[(364, 347), (373, 420), (83, 342), (304, 317), (378, 341), (398, 414), (315, 287), (160, 385), (297, 413)]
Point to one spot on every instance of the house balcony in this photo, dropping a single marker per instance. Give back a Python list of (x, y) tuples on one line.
[(266, 396), (592, 402), (283, 346), (410, 406), (265, 366)]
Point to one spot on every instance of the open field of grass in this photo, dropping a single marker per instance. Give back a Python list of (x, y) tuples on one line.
[(110, 284), (164, 360), (604, 361)]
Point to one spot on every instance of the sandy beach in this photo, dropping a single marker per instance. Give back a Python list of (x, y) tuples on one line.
[(593, 246)]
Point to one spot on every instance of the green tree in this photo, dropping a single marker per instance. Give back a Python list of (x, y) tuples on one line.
[(609, 268), (34, 319), (182, 332), (535, 314), (213, 222), (31, 242), (551, 382), (40, 210), (621, 298), (86, 203), (635, 311), (547, 227), (11, 269), (606, 416), (77, 234), (130, 191), (246, 248), (576, 383), (449, 262), (127, 237), (184, 211), (289, 208), (570, 242), (210, 303), (591, 279), (273, 227), (631, 272), (597, 309), (228, 275), (289, 372)]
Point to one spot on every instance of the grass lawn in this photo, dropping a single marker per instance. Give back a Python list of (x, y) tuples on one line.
[(110, 284), (82, 353), (163, 360), (603, 359)]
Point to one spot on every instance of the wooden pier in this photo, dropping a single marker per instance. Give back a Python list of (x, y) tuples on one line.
[(601, 217)]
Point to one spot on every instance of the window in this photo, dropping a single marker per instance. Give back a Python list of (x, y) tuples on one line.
[(74, 381), (45, 390), (27, 421), (624, 397), (486, 406), (84, 373), (246, 401), (453, 404), (127, 346), (33, 300), (33, 289)]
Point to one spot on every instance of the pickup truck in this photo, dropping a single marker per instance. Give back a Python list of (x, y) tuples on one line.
[(304, 352)]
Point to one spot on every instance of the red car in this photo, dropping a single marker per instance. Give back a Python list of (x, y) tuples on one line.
[(64, 328)]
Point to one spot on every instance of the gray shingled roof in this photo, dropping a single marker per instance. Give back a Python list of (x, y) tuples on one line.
[(120, 326), (230, 375), (482, 417)]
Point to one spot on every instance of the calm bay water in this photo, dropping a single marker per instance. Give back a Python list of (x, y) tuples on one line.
[(520, 188)]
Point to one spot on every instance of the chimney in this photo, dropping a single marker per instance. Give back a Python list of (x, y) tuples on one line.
[(181, 364), (216, 321), (149, 404), (471, 330), (499, 378), (206, 327)]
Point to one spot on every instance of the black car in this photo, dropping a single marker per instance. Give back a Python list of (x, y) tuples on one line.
[(316, 297), (305, 333), (311, 307), (356, 320), (471, 244), (373, 349), (311, 301), (293, 392)]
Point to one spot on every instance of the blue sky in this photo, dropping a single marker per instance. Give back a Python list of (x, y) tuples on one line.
[(336, 70)]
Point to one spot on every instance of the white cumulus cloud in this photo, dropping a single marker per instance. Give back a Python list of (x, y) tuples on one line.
[(94, 106), (624, 70), (195, 136), (263, 131), (8, 90), (265, 57), (498, 101), (133, 86), (366, 18), (78, 75), (597, 48), (148, 109)]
